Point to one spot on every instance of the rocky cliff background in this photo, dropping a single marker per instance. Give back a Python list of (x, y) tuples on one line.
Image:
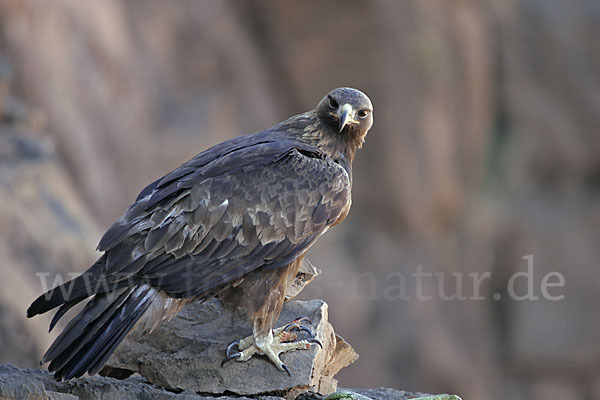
[(485, 150)]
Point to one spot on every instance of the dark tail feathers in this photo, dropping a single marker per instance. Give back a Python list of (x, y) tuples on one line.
[(73, 291), (91, 337), (92, 282)]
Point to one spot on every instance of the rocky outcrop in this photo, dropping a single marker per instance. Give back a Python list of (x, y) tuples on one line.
[(33, 384), (186, 353), (181, 360), (18, 384)]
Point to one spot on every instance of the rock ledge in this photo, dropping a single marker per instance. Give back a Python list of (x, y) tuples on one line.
[(19, 384), (186, 354)]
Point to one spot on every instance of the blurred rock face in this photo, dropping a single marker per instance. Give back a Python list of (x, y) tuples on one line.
[(484, 150), (45, 228)]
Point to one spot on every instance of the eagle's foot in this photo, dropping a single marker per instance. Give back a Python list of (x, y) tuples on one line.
[(280, 340)]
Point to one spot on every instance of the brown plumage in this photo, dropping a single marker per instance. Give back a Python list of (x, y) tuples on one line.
[(236, 219)]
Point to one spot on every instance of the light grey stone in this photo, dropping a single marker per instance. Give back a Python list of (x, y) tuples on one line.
[(21, 384), (186, 353)]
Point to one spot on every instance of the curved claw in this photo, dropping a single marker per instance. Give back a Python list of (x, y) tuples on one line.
[(297, 323), (290, 326), (303, 318), (230, 346), (231, 357), (286, 369), (294, 327), (307, 330), (315, 341)]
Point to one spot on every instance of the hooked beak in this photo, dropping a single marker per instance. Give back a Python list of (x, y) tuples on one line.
[(345, 116)]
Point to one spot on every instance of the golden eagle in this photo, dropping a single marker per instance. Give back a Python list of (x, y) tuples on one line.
[(234, 221)]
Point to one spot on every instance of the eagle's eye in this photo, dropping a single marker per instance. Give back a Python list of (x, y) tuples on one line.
[(333, 104), (362, 114)]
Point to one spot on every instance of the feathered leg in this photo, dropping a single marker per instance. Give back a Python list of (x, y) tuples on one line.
[(265, 296)]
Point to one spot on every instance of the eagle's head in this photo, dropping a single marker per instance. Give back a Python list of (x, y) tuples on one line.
[(347, 112)]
